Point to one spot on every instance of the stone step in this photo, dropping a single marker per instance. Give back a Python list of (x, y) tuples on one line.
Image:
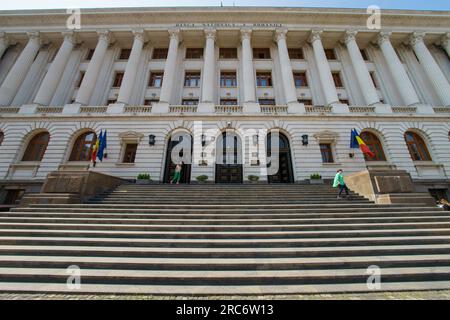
[(260, 277), (295, 263), (191, 228), (223, 253), (223, 243), (231, 235), (216, 216), (20, 218)]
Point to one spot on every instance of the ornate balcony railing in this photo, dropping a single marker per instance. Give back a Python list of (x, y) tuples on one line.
[(404, 109), (228, 109), (99, 109), (318, 109), (182, 109), (274, 109), (359, 109), (46, 110), (9, 110), (137, 109), (441, 109)]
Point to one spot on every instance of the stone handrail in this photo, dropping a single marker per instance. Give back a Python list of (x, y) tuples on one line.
[(137, 109), (361, 109), (441, 109), (7, 110), (98, 109), (404, 109), (318, 109), (228, 109), (49, 109)]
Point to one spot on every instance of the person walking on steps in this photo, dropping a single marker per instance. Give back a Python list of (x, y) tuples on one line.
[(339, 182), (177, 176)]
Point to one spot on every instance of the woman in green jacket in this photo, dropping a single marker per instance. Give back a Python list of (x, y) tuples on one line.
[(339, 182)]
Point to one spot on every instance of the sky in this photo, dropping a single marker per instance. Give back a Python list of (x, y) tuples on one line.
[(383, 4)]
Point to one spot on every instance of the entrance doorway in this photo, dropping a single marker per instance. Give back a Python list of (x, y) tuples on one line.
[(229, 158), (179, 149), (282, 153)]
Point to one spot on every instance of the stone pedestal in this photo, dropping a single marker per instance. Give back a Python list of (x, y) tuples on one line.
[(387, 187), (296, 108), (71, 108), (206, 107), (160, 107), (28, 109), (116, 108), (251, 107)]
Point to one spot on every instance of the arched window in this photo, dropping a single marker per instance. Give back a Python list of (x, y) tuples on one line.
[(36, 147), (374, 145), (2, 136), (417, 147), (82, 149)]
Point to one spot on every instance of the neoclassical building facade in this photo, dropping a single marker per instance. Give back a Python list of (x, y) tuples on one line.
[(151, 77)]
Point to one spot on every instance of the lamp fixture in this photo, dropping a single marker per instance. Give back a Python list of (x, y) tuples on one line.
[(151, 140)]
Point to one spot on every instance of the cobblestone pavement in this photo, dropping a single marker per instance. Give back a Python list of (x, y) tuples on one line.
[(413, 295)]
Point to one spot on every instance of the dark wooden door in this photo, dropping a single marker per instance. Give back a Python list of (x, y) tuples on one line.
[(229, 168), (228, 173), (169, 170), (285, 173)]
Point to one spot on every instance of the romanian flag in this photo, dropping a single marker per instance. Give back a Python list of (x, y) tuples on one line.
[(95, 149), (357, 142)]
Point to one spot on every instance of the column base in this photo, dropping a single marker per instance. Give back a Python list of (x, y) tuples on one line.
[(160, 107), (116, 108), (206, 107), (340, 108), (382, 108), (296, 108), (424, 109), (251, 107), (71, 108), (28, 109)]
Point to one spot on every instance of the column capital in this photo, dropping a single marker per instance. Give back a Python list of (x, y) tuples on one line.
[(350, 35), (416, 38), (246, 33), (445, 40), (139, 34), (316, 34), (34, 35), (175, 34), (383, 37), (279, 34), (4, 38), (210, 33), (70, 36), (105, 35)]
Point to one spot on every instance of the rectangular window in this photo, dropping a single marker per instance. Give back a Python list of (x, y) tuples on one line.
[(327, 153), (228, 79), (344, 101), (267, 102), (306, 102), (337, 79), (125, 54), (160, 53), (189, 102), (130, 153), (264, 79), (192, 79), (194, 53), (156, 79), (90, 54), (80, 79), (261, 53), (111, 101), (364, 55), (118, 80), (300, 79), (149, 102), (296, 53), (331, 55), (374, 79), (228, 53), (228, 102)]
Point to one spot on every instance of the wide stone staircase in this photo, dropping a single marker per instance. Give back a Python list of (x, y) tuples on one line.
[(223, 239)]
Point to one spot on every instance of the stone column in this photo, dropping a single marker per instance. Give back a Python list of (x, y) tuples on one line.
[(18, 72), (90, 78), (56, 70), (170, 67), (398, 71), (432, 69), (362, 73), (248, 73), (326, 79), (209, 69), (4, 43), (446, 43), (131, 70)]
